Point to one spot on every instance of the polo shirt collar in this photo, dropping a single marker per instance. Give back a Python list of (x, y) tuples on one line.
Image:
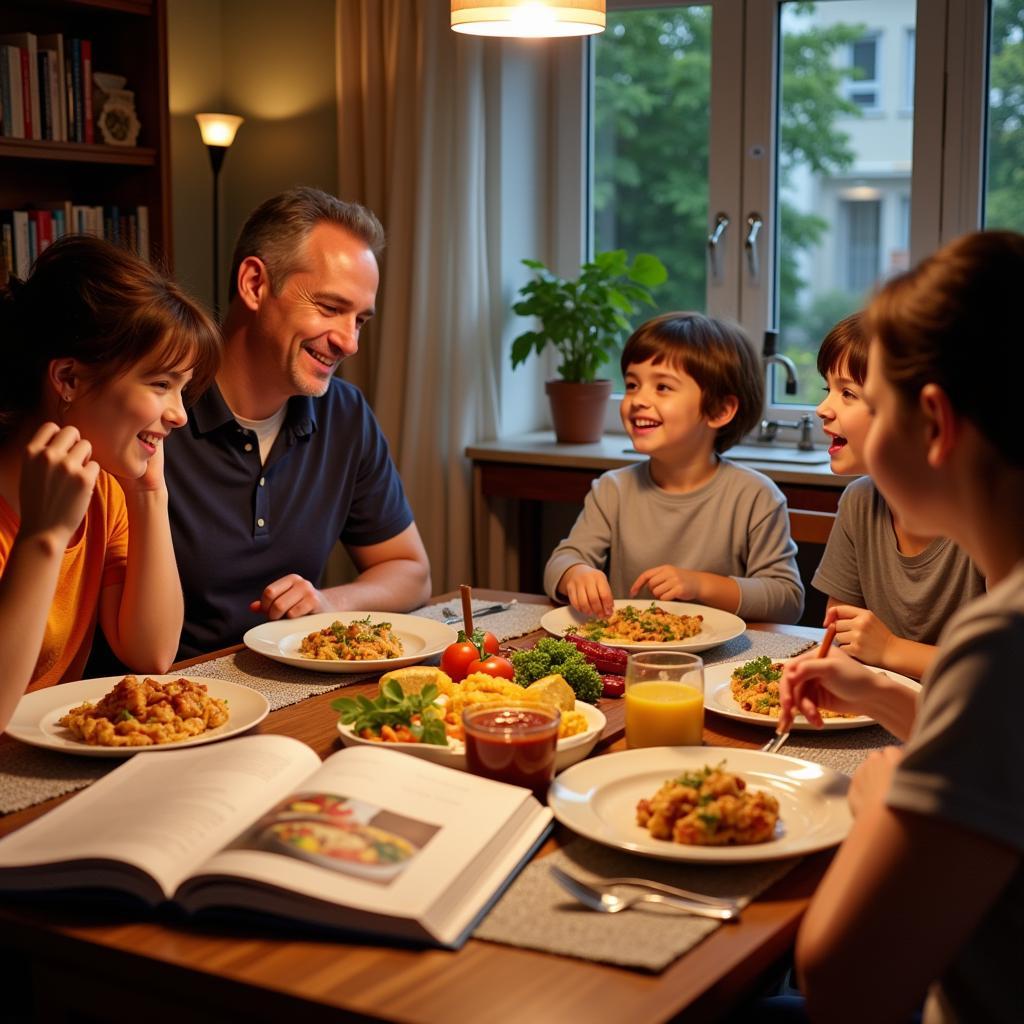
[(211, 412)]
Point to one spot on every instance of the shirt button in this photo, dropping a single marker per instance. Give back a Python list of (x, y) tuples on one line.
[(260, 522), (263, 480), (248, 447)]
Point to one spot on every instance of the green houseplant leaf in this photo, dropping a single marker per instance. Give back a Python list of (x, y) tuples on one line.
[(585, 319)]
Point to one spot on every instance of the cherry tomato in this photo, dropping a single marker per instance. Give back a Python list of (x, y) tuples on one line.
[(493, 665), (458, 656)]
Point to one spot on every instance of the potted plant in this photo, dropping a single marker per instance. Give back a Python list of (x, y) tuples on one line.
[(585, 320)]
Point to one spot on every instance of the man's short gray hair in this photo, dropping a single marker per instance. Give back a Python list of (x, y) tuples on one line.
[(278, 227)]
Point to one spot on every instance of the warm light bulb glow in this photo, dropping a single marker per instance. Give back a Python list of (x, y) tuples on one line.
[(526, 19), (218, 129)]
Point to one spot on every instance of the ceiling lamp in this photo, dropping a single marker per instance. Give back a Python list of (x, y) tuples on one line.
[(534, 19)]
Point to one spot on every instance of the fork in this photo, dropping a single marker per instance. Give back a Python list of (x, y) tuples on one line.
[(775, 743), (608, 903), (451, 616)]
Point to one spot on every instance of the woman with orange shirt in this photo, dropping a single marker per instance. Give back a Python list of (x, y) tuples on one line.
[(99, 351)]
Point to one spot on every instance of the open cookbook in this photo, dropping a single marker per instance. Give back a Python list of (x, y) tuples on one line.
[(371, 840)]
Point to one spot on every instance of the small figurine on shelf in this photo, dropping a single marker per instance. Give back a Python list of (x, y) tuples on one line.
[(115, 106)]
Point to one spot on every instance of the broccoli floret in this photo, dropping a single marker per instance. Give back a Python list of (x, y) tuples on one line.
[(550, 656)]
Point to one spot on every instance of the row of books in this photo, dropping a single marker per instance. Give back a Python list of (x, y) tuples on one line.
[(46, 87), (24, 234)]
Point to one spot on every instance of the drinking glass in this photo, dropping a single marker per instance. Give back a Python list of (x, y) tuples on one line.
[(664, 699), (513, 742)]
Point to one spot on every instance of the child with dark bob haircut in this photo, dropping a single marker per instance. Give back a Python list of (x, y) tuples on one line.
[(100, 351), (890, 591), (684, 524)]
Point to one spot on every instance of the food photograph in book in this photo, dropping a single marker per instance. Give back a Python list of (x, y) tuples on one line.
[(350, 836)]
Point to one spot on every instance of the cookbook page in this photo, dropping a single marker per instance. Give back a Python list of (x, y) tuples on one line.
[(378, 830), (165, 812)]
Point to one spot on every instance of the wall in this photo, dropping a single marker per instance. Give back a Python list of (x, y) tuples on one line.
[(272, 63)]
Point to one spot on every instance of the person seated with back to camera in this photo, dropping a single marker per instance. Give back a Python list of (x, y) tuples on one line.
[(686, 524), (889, 591), (100, 351)]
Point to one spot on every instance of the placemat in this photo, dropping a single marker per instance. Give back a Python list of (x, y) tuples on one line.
[(537, 913), (757, 643), (516, 621), (29, 775)]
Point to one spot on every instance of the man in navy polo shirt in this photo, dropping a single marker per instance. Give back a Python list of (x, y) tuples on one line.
[(280, 459)]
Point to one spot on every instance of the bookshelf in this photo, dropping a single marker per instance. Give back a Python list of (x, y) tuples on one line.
[(129, 38)]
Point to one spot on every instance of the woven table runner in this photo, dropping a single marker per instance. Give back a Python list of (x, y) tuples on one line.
[(537, 913)]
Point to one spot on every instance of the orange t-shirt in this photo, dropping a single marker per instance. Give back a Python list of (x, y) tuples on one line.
[(94, 561)]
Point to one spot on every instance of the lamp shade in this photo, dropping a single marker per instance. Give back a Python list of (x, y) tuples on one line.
[(528, 18), (218, 129)]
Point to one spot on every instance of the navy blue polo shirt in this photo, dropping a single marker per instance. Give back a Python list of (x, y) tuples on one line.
[(238, 525)]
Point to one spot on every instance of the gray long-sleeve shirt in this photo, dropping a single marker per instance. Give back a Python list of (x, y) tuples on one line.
[(735, 525)]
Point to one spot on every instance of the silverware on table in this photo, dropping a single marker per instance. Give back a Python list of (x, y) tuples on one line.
[(773, 745), (451, 617), (597, 898)]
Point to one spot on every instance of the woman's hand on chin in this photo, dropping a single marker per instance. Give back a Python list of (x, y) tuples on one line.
[(151, 480)]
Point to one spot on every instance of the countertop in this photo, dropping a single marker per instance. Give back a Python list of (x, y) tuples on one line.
[(541, 449)]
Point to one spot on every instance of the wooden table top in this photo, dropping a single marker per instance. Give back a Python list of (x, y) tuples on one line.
[(166, 967)]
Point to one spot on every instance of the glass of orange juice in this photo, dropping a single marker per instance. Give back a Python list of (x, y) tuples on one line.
[(664, 699)]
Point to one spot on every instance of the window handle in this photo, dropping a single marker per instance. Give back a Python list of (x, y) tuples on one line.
[(721, 223), (754, 225)]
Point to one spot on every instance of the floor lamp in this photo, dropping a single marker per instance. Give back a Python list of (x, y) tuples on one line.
[(218, 131)]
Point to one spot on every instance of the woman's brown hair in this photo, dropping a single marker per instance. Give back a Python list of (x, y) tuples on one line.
[(845, 348), (91, 301), (717, 355), (954, 320)]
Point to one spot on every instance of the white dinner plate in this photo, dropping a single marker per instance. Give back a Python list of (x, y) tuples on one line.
[(421, 639), (37, 714), (718, 698), (597, 798), (569, 751), (717, 628)]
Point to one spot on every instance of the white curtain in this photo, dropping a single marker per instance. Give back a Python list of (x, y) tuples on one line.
[(413, 147)]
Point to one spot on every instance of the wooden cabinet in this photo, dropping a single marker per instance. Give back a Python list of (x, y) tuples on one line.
[(128, 38)]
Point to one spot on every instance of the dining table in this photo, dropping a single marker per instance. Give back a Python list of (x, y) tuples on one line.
[(90, 959)]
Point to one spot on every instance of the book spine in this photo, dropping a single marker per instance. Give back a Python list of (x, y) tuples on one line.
[(22, 258), (44, 228), (33, 85), (5, 93), (76, 88), (69, 94), (87, 122), (45, 101), (143, 215), (7, 244), (26, 94), (33, 237), (14, 83)]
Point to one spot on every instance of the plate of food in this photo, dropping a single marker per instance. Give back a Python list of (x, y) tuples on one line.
[(350, 642), (749, 692), (427, 723), (650, 626), (709, 805), (117, 716)]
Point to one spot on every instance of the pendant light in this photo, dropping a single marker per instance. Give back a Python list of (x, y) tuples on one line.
[(528, 18)]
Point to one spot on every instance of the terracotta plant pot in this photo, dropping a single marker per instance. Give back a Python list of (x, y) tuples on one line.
[(578, 409)]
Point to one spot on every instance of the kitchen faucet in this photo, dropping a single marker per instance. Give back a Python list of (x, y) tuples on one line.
[(789, 366), (769, 428)]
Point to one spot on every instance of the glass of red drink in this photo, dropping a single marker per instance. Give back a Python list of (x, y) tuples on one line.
[(513, 742)]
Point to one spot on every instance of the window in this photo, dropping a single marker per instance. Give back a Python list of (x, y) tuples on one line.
[(909, 47), (863, 87), (861, 220), (827, 184)]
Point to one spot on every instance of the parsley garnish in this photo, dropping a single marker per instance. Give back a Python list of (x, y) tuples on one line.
[(393, 707)]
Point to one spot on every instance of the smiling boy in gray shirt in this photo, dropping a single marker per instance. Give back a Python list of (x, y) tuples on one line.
[(687, 525)]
